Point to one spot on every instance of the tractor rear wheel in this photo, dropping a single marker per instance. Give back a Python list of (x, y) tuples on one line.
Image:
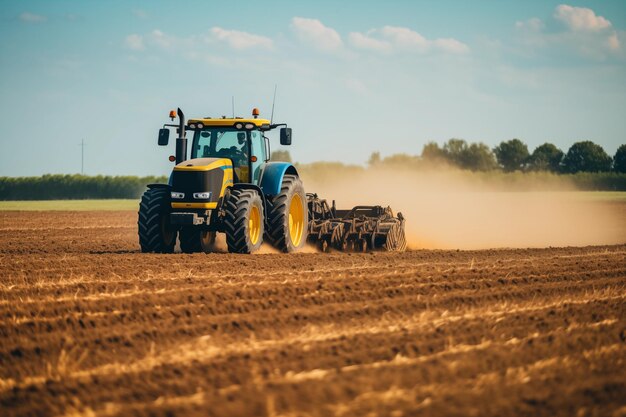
[(196, 240), (244, 221), (288, 216), (155, 233)]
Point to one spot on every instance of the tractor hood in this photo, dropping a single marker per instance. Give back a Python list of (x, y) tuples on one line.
[(203, 164), (200, 183)]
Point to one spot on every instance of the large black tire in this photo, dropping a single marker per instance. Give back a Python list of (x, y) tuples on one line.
[(278, 214), (155, 234), (243, 228), (196, 240)]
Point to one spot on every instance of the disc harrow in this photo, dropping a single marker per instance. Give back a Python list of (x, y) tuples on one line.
[(360, 229)]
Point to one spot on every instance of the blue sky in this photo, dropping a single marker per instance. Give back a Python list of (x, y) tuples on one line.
[(353, 77)]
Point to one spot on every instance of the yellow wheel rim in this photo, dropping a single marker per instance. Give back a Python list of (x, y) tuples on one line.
[(296, 219), (254, 225)]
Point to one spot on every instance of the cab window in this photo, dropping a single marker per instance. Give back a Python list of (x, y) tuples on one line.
[(258, 150), (231, 144)]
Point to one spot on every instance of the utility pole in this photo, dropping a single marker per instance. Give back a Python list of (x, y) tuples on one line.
[(82, 156)]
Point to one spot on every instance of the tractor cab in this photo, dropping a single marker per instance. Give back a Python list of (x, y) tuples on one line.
[(246, 149)]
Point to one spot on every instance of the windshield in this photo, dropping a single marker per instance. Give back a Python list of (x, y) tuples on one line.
[(220, 143), (237, 145)]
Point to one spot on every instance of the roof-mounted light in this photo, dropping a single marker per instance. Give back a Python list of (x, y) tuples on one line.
[(172, 114), (255, 112)]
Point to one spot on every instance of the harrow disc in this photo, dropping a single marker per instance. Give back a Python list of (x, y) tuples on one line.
[(363, 228)]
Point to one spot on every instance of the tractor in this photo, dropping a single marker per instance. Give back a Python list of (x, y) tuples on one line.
[(229, 185)]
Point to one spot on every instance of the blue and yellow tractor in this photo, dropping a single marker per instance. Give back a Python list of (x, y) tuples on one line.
[(229, 185)]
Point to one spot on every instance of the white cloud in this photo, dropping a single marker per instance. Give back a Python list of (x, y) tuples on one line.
[(32, 18), (217, 47), (534, 25), (134, 42), (394, 38), (451, 45), (241, 40), (613, 42), (580, 18), (313, 32), (234, 39), (162, 40), (405, 37), (585, 33), (361, 41)]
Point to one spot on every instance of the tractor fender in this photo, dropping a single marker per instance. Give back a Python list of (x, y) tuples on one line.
[(272, 176), (247, 186), (151, 186)]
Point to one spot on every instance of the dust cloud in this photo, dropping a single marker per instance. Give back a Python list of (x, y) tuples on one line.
[(454, 210)]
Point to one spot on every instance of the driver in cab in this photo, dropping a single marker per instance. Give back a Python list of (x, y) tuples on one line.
[(239, 156), (242, 151)]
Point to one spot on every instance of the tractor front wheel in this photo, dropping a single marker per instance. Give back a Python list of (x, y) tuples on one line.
[(288, 216), (244, 221), (196, 240), (155, 233)]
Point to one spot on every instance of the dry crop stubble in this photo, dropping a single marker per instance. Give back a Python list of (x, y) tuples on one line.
[(88, 325)]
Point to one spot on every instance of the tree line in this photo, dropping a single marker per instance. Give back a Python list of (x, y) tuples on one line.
[(513, 155), (74, 187), (586, 164)]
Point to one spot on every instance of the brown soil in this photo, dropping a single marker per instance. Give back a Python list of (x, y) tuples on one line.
[(88, 325)]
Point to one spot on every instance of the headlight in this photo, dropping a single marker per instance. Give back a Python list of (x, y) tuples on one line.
[(249, 126), (177, 196), (192, 126), (238, 125), (199, 125), (202, 196)]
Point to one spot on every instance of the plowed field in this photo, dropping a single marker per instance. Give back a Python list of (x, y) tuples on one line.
[(88, 325)]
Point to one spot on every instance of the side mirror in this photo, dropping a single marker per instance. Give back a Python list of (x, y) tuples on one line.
[(164, 137), (285, 136)]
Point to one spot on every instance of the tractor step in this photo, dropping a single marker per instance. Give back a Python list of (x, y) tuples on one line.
[(361, 229)]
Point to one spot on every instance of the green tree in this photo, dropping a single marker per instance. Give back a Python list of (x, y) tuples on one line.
[(619, 160), (586, 156), (478, 157), (374, 159), (280, 156), (432, 152), (454, 150), (512, 154), (546, 157), (401, 160)]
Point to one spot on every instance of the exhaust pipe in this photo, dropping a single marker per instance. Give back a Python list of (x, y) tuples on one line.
[(181, 141)]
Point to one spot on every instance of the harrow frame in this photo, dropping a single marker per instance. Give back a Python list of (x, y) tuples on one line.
[(361, 228)]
